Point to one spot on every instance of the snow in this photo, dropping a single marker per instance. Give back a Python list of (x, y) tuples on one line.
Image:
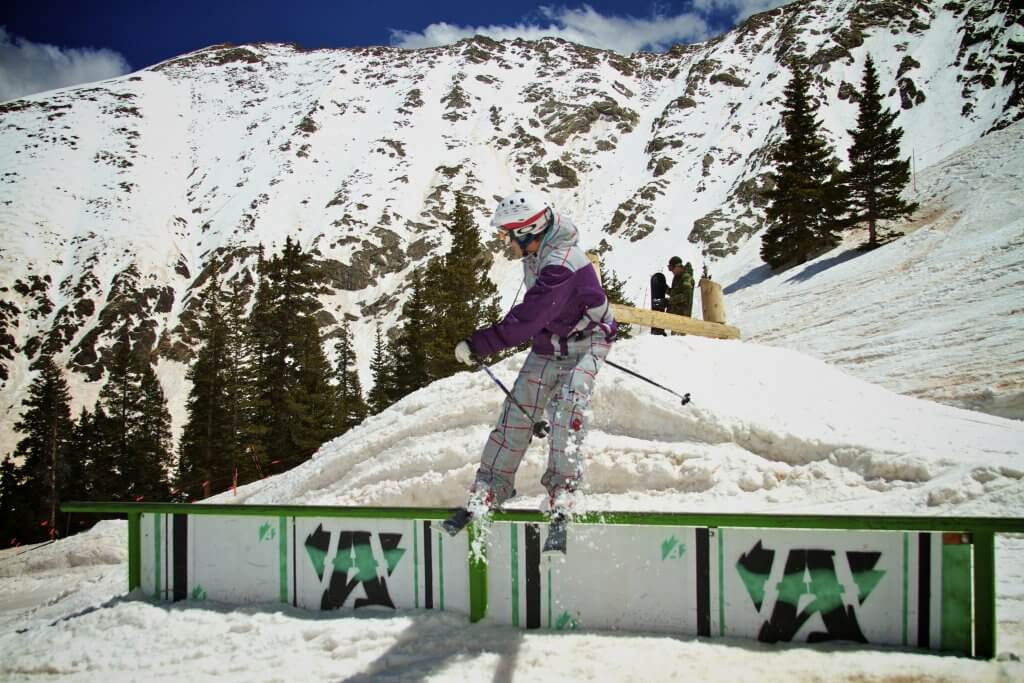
[(819, 409), (770, 428)]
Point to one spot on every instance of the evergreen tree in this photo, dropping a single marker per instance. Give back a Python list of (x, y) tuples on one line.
[(245, 453), (151, 438), (91, 454), (44, 451), (317, 403), (458, 291), (135, 427), (351, 406), (292, 399), (410, 349), (802, 202), (613, 289), (877, 175), (381, 368), (16, 509), (204, 441)]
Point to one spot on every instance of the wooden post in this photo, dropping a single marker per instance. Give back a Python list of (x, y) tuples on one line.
[(672, 322), (710, 296), (712, 301)]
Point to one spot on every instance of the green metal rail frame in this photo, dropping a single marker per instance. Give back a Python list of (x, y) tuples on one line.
[(982, 531)]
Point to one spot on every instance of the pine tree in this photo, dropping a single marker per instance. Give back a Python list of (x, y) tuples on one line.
[(458, 291), (18, 510), (802, 202), (613, 287), (316, 395), (351, 406), (291, 399), (91, 454), (381, 369), (206, 449), (44, 450), (410, 349), (877, 175), (151, 438), (136, 428), (245, 455)]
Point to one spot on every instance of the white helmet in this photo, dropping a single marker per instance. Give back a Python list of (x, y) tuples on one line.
[(522, 214)]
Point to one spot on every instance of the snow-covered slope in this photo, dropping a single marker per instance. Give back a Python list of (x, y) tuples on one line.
[(115, 197), (937, 314)]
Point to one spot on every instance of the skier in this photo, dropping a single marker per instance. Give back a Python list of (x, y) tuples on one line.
[(565, 312)]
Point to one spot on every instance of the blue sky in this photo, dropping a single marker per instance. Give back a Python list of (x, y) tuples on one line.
[(46, 44)]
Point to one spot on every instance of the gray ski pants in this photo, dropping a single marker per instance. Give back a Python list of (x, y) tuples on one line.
[(559, 385)]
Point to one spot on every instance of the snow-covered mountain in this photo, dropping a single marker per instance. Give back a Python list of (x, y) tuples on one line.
[(115, 197)]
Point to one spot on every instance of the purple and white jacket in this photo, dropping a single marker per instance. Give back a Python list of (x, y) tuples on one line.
[(564, 297)]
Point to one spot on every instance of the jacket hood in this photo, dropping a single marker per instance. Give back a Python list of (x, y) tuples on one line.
[(560, 236)]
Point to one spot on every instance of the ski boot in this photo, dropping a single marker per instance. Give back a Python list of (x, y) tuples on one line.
[(457, 522), (478, 509), (557, 528)]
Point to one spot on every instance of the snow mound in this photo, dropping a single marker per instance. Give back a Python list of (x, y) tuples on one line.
[(767, 427), (106, 543)]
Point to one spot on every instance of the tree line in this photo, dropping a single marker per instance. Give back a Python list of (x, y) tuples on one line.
[(263, 395), (813, 199)]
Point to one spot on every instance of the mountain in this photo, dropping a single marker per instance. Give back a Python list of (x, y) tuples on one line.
[(115, 197)]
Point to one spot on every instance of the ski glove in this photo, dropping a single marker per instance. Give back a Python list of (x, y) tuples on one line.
[(464, 353)]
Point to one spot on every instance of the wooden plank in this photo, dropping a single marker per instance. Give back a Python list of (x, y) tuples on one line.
[(675, 323)]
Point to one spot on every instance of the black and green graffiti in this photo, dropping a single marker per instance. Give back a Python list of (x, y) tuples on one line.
[(354, 564), (809, 572)]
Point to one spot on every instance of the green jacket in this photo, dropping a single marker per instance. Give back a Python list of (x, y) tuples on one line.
[(680, 294)]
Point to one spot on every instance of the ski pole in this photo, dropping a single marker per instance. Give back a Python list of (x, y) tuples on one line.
[(685, 397), (540, 428)]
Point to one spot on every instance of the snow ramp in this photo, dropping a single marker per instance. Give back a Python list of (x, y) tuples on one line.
[(911, 582)]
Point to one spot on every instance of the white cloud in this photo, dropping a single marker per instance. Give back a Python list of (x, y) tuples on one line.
[(624, 35), (27, 67)]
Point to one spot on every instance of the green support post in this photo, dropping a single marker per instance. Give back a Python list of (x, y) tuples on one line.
[(477, 578), (134, 550), (984, 594)]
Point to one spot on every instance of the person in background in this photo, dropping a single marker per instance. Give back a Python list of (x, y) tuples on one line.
[(680, 294)]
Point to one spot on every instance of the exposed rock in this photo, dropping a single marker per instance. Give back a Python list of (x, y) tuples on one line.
[(565, 172), (455, 101), (909, 94), (661, 165), (906, 65), (569, 120), (728, 79)]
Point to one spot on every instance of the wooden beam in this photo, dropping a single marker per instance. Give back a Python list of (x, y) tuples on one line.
[(675, 323)]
